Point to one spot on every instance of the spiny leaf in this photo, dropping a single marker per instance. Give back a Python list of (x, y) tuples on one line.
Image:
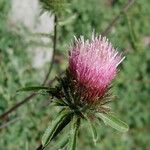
[(114, 122), (57, 125)]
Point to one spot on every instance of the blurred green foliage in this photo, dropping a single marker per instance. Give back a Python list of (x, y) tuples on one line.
[(132, 86)]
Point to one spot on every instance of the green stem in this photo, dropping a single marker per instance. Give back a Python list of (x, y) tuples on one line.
[(54, 50)]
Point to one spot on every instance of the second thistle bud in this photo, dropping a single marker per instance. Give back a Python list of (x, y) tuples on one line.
[(54, 6)]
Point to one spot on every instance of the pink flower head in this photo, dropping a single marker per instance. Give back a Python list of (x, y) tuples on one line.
[(93, 65)]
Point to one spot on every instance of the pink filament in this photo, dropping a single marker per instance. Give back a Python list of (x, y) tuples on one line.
[(93, 64)]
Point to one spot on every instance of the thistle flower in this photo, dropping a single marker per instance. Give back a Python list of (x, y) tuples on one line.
[(82, 93), (93, 65)]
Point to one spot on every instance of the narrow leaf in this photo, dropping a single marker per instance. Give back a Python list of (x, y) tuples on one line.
[(57, 125), (61, 142), (114, 122), (93, 130), (59, 103), (73, 133), (33, 88)]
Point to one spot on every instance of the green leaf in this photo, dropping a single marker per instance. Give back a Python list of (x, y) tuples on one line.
[(33, 88), (61, 142), (93, 130), (57, 125), (73, 133), (114, 122), (59, 103)]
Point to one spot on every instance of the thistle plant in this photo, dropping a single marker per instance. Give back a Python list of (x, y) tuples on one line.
[(84, 91)]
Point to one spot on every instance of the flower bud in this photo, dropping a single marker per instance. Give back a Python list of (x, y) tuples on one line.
[(93, 65), (54, 6)]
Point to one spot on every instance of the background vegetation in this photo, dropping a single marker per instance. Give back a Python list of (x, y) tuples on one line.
[(132, 86)]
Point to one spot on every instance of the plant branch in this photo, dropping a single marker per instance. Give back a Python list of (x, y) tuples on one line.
[(16, 106), (8, 123), (54, 50), (5, 114)]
